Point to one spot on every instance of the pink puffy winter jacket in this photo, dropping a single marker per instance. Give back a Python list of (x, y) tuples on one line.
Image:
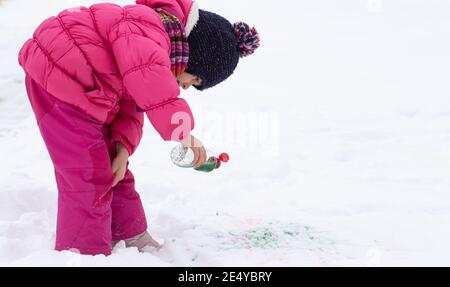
[(114, 63)]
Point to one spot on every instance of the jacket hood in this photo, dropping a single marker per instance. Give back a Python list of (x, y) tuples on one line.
[(185, 10)]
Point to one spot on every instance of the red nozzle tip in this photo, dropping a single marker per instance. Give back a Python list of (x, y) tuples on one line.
[(218, 163), (224, 157)]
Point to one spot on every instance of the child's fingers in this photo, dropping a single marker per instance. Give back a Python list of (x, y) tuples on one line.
[(196, 157), (115, 181), (201, 156), (118, 176), (115, 166)]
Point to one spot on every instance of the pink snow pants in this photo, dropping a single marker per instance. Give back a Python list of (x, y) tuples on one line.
[(91, 214)]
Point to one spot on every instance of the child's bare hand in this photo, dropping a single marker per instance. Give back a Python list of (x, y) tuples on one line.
[(198, 149), (119, 164)]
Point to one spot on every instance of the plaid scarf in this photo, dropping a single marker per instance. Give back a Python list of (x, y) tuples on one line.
[(179, 54)]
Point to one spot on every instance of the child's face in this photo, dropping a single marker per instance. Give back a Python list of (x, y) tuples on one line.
[(186, 80)]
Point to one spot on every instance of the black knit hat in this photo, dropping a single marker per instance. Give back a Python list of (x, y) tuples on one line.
[(216, 46)]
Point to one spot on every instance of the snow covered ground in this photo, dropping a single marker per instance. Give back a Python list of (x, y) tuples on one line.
[(338, 130)]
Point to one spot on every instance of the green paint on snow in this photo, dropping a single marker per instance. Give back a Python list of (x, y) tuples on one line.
[(272, 235)]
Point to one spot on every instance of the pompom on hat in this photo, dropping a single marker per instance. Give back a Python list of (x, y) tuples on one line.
[(216, 46)]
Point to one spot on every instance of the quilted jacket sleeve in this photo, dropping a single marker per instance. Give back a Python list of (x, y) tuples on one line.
[(145, 67), (127, 126)]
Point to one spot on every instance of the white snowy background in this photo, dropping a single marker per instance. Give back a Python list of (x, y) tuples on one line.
[(338, 130)]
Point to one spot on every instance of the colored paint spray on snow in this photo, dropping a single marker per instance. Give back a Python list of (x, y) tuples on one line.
[(183, 157)]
